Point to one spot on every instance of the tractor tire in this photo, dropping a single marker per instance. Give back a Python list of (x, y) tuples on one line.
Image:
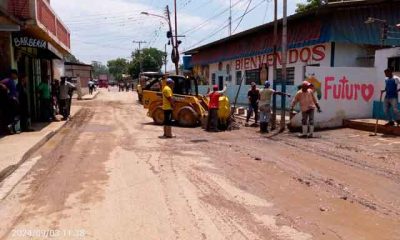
[(187, 117), (158, 116)]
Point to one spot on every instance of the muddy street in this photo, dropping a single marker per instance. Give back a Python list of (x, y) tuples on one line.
[(108, 175)]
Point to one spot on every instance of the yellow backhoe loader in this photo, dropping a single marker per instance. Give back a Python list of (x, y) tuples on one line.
[(191, 109)]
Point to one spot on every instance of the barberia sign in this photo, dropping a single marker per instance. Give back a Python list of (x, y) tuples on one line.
[(29, 42), (314, 54)]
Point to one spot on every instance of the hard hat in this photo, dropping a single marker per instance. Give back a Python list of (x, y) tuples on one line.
[(267, 84), (169, 81), (215, 87)]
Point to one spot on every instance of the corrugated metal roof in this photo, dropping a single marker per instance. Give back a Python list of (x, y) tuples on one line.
[(348, 24), (344, 22)]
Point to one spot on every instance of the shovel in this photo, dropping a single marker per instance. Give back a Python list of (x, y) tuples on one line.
[(377, 119)]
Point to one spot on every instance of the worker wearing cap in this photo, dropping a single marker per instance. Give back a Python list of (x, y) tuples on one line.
[(213, 106), (253, 96), (168, 104), (308, 102), (265, 105)]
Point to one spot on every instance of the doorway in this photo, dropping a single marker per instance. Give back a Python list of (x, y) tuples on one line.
[(220, 82)]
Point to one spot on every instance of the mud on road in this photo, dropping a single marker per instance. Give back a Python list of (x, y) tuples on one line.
[(107, 175)]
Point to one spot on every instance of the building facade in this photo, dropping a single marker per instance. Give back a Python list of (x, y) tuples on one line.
[(336, 35), (83, 71), (33, 40)]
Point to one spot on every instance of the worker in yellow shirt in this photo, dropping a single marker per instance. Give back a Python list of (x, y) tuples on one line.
[(168, 104)]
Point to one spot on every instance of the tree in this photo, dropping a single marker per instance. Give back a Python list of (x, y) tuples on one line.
[(71, 58), (98, 69), (310, 5), (118, 67), (152, 60)]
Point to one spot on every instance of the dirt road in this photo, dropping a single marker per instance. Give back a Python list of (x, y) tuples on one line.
[(107, 175)]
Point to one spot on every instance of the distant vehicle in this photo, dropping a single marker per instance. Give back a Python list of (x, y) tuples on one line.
[(103, 81)]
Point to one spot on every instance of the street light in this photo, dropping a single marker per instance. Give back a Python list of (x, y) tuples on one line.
[(384, 27), (373, 20), (154, 15), (173, 39)]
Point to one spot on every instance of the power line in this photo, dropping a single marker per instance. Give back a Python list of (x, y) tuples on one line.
[(266, 11), (244, 14), (227, 25), (211, 18)]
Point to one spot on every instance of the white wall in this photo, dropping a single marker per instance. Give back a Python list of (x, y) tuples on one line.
[(350, 55), (58, 69), (346, 93)]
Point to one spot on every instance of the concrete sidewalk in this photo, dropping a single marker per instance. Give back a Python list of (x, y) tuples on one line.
[(17, 148), (87, 96)]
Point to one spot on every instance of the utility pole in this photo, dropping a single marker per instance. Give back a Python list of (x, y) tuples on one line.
[(174, 39), (274, 66), (165, 57), (140, 54), (284, 63)]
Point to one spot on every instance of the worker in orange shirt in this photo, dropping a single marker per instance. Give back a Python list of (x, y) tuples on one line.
[(308, 103), (213, 106)]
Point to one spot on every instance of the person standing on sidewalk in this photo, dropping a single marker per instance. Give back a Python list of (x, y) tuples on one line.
[(91, 86), (23, 103), (66, 89), (55, 93), (308, 102), (391, 97), (265, 105), (168, 104), (253, 96), (11, 106), (213, 106), (43, 91)]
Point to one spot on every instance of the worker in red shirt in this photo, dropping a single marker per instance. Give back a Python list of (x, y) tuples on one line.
[(213, 106)]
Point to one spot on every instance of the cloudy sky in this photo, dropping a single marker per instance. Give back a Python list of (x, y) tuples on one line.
[(104, 29)]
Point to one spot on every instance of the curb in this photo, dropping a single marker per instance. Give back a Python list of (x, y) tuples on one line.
[(91, 98), (10, 169)]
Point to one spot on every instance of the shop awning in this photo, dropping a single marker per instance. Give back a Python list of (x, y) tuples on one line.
[(45, 49)]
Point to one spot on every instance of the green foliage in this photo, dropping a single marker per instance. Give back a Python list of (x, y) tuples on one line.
[(98, 69), (71, 58), (310, 5), (117, 67), (152, 61)]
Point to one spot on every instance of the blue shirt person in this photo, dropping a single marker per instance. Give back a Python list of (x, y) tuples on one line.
[(11, 84), (391, 97)]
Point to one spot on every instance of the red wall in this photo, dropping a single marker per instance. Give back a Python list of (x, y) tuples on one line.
[(19, 8)]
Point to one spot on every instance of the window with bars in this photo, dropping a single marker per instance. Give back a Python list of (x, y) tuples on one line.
[(394, 64), (253, 76), (213, 79), (239, 77), (290, 76)]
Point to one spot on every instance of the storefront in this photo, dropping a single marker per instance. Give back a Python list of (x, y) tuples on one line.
[(34, 58)]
